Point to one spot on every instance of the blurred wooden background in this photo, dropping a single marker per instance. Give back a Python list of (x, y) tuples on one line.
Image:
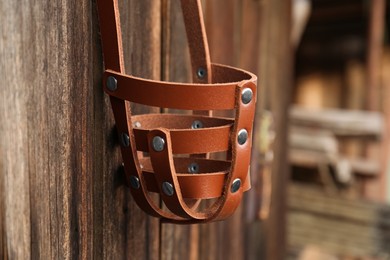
[(339, 134), (62, 193)]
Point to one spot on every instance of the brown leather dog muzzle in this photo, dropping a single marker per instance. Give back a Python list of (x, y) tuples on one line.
[(169, 154)]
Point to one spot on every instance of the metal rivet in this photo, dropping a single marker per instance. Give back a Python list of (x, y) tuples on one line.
[(158, 143), (201, 72), (242, 136), (137, 124), (246, 96), (167, 188), (134, 182), (197, 124), (193, 168), (125, 139), (235, 185), (112, 83)]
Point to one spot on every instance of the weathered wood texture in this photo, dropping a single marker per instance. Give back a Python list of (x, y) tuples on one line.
[(275, 61), (376, 34), (62, 193)]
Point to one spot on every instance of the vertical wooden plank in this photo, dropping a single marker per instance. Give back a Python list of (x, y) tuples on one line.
[(386, 96), (375, 50), (248, 53), (249, 35), (101, 129), (62, 196), (3, 235), (224, 240), (375, 189), (13, 124), (254, 235), (222, 18), (58, 143), (176, 57), (275, 78)]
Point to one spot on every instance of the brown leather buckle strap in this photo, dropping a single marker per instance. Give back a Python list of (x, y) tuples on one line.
[(162, 152)]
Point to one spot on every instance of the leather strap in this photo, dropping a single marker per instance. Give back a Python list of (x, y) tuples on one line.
[(197, 41), (173, 167)]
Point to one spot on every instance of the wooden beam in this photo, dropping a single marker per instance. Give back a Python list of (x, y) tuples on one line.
[(275, 81), (342, 123), (375, 50), (309, 159), (376, 189)]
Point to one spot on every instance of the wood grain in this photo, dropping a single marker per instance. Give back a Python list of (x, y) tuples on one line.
[(63, 194), (275, 79), (3, 235)]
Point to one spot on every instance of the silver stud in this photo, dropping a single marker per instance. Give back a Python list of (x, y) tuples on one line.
[(201, 72), (193, 168), (134, 182), (158, 143), (242, 136), (197, 124), (246, 96), (235, 185), (125, 139), (137, 124), (112, 83), (167, 188)]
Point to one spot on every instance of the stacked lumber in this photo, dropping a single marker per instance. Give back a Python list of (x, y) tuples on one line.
[(338, 226), (315, 136), (341, 122)]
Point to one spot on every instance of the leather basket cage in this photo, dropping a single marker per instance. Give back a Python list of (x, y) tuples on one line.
[(169, 154)]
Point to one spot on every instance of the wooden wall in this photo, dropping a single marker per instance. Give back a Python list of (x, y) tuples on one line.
[(62, 193)]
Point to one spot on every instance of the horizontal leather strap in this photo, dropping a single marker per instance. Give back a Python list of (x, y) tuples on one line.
[(207, 184), (177, 121), (218, 96), (213, 137)]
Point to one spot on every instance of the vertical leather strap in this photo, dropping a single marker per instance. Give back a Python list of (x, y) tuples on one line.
[(240, 153), (113, 59), (199, 47), (195, 28), (197, 41), (111, 35)]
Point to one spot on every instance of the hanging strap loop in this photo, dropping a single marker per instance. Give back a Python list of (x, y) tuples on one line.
[(197, 41)]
